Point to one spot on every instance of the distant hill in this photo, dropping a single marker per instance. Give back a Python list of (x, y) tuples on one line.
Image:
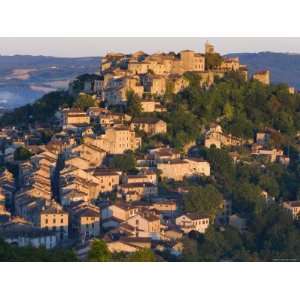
[(284, 67), (25, 78)]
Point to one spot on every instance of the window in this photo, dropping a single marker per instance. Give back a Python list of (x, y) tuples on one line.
[(61, 220), (46, 221)]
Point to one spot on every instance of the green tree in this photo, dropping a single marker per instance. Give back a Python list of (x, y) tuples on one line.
[(12, 253), (248, 199), (125, 162), (190, 249), (99, 252), (228, 111), (205, 200), (143, 255), (212, 60), (193, 79), (133, 107), (85, 101), (22, 153)]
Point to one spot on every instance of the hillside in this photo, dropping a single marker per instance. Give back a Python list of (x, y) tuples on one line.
[(284, 67), (25, 78)]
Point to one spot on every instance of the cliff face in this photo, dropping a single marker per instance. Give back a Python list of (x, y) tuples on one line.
[(284, 67)]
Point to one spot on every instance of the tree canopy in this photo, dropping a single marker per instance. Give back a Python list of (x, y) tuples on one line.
[(22, 153), (84, 101), (10, 253), (125, 162), (143, 255), (204, 200), (133, 106), (99, 252)]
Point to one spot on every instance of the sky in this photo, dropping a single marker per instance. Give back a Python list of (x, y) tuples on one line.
[(98, 46)]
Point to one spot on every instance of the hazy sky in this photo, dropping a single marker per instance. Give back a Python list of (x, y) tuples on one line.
[(97, 46)]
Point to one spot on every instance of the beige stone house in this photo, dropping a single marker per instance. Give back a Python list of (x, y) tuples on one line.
[(271, 154), (53, 217), (165, 207), (151, 126), (146, 224), (78, 162), (216, 137), (116, 140), (91, 153), (85, 220), (22, 233), (192, 61), (179, 169), (113, 215), (262, 76), (108, 179), (74, 116), (137, 191), (193, 221), (230, 64), (149, 105), (142, 177), (293, 207), (154, 84), (164, 154)]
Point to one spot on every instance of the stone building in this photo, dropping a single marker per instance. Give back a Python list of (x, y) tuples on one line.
[(116, 140), (53, 217), (215, 137), (146, 224), (193, 221), (178, 169), (108, 179), (151, 126), (74, 116), (293, 207), (85, 220), (90, 153), (262, 76), (192, 61), (230, 64)]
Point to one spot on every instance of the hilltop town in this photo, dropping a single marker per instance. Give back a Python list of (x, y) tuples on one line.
[(153, 153)]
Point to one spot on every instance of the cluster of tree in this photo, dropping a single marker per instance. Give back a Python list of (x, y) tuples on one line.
[(244, 107), (84, 101), (125, 162), (272, 235), (99, 252), (243, 183), (133, 106), (205, 200), (31, 254), (212, 60)]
